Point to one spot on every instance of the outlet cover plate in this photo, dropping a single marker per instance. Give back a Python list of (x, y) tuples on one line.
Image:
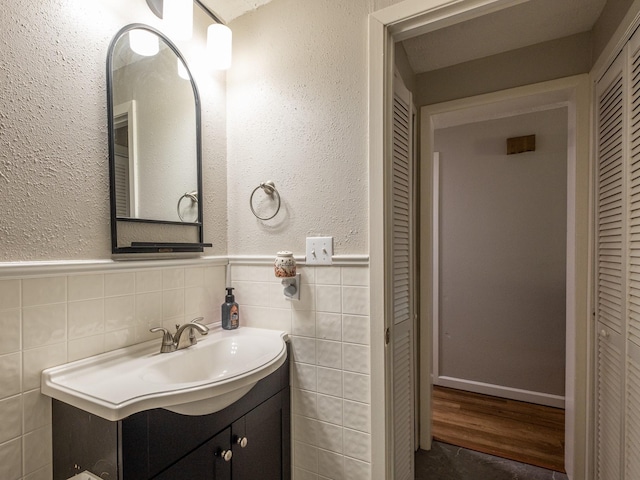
[(319, 251)]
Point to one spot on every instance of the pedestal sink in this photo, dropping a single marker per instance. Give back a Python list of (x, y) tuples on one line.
[(202, 379)]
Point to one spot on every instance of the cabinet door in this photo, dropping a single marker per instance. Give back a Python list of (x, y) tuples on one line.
[(204, 463), (262, 456)]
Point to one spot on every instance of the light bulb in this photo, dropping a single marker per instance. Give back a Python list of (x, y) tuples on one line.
[(219, 46), (143, 42)]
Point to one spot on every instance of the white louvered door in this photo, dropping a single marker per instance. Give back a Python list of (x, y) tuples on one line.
[(618, 268), (402, 331)]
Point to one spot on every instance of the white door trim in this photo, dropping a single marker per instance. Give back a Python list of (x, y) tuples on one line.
[(404, 20)]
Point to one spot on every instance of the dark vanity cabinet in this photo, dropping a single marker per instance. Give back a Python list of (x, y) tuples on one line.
[(248, 440)]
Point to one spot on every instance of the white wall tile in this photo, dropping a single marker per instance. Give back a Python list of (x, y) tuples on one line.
[(356, 469), (303, 349), (252, 273), (10, 374), (303, 322), (172, 278), (43, 291), (252, 293), (85, 318), (356, 329), (328, 298), (329, 436), (194, 277), (11, 460), (85, 347), (356, 387), (304, 376), (305, 430), (37, 410), (10, 326), (330, 381), (119, 312), (356, 357), (215, 282), (265, 317), (276, 296), (37, 359), (329, 326), (172, 303), (330, 465), (300, 474), (357, 445), (355, 300), (37, 449), (307, 298), (9, 294), (119, 339), (45, 473), (304, 403), (195, 303), (328, 275), (329, 409), (44, 325), (355, 276), (149, 308), (10, 418), (357, 416), (148, 281), (85, 287), (306, 456), (119, 284), (329, 354)]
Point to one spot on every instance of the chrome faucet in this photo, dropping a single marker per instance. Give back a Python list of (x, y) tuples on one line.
[(171, 343)]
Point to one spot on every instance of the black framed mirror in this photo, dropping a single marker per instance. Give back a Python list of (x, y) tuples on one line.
[(155, 156)]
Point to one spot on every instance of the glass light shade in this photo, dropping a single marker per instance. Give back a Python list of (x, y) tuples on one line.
[(179, 17), (219, 46), (143, 42), (182, 70)]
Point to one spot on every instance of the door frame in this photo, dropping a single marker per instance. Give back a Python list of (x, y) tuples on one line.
[(404, 20)]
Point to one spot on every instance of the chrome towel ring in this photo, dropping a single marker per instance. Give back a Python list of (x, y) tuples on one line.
[(270, 189), (191, 195)]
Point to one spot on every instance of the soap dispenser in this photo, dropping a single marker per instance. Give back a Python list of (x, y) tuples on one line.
[(230, 311)]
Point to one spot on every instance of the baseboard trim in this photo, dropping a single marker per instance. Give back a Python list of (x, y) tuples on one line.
[(501, 391)]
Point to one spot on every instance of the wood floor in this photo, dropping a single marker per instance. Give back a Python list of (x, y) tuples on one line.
[(520, 431)]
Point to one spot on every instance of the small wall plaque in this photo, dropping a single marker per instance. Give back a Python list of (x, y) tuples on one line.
[(521, 144)]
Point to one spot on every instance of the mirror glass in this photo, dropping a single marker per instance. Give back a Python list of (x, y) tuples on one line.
[(154, 121)]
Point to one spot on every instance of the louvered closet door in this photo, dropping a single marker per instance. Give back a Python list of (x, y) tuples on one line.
[(632, 408), (402, 328), (610, 269)]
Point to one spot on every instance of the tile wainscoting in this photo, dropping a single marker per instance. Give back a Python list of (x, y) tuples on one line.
[(59, 312), (63, 311), (329, 326)]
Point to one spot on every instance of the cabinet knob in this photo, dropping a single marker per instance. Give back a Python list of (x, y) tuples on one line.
[(242, 441), (225, 455)]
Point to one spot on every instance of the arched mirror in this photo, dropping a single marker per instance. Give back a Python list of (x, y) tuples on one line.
[(154, 145)]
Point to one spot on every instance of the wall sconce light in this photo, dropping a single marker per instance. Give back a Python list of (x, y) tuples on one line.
[(178, 14), (219, 39), (284, 267), (143, 42)]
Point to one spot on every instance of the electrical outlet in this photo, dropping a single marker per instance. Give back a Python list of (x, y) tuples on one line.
[(319, 250)]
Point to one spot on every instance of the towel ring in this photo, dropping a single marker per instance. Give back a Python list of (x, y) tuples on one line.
[(270, 189), (193, 196)]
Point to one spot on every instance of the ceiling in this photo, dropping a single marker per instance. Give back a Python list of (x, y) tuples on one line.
[(525, 24), (227, 10)]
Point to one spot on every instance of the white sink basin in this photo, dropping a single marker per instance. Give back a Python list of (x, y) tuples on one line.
[(198, 380)]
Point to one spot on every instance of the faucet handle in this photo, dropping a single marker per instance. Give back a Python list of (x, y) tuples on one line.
[(197, 320), (167, 339)]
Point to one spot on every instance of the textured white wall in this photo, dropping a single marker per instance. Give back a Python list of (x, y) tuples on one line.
[(53, 128), (297, 102)]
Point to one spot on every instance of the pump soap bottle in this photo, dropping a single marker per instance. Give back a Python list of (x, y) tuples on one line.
[(230, 311)]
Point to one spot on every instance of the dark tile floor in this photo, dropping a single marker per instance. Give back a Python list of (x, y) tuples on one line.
[(448, 462)]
